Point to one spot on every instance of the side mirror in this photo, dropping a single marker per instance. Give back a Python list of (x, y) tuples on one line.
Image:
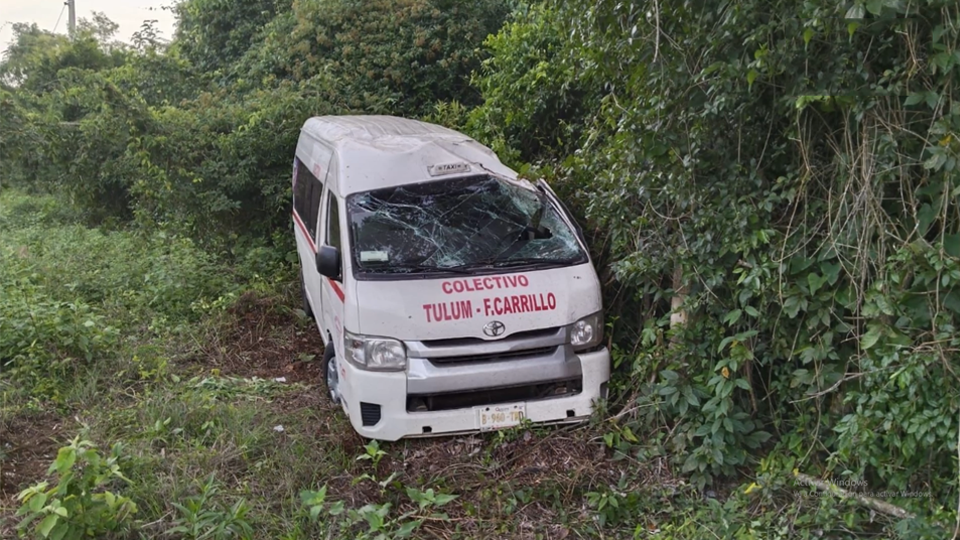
[(328, 262)]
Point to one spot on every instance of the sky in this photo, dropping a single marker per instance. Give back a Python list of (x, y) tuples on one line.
[(129, 14)]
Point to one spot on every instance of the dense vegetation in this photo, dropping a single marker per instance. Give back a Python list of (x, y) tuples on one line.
[(771, 190)]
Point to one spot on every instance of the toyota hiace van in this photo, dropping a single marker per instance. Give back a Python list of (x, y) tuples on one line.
[(451, 295)]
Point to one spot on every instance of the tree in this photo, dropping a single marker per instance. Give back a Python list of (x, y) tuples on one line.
[(35, 57), (213, 34), (398, 56)]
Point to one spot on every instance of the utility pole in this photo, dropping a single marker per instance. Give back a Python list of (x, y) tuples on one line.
[(72, 20)]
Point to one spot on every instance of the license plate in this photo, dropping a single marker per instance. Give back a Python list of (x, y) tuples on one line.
[(500, 416)]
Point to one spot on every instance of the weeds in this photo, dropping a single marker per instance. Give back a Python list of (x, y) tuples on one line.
[(204, 516), (79, 504), (380, 522)]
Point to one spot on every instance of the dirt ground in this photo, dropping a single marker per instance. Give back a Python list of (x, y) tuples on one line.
[(267, 340), (260, 338), (28, 445)]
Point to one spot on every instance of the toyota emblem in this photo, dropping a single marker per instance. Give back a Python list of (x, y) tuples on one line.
[(494, 328)]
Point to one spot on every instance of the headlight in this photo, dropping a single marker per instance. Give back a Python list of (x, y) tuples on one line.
[(374, 353), (587, 332)]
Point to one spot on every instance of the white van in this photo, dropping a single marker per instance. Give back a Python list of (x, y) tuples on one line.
[(452, 296)]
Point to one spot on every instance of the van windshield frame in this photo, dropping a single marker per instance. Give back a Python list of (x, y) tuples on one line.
[(477, 224)]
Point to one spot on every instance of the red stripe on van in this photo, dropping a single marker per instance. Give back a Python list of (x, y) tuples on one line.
[(303, 228), (313, 247), (336, 288)]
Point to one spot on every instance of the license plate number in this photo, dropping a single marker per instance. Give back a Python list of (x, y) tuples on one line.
[(500, 416)]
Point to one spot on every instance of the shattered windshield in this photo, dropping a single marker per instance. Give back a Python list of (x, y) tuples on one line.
[(462, 224)]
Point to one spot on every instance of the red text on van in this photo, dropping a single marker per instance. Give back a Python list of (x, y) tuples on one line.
[(448, 311), (484, 284), (519, 303)]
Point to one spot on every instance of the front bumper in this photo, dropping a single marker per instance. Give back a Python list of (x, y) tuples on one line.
[(389, 392)]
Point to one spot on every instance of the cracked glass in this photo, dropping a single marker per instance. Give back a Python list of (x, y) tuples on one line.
[(458, 225)]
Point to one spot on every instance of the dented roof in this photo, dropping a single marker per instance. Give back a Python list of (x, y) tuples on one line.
[(372, 128), (374, 152)]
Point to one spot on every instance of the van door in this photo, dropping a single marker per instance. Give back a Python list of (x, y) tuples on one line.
[(332, 295)]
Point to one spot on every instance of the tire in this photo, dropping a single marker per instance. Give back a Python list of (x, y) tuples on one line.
[(330, 371), (303, 295)]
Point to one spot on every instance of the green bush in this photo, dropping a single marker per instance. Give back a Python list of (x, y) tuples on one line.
[(534, 101), (386, 56), (219, 168), (204, 516), (213, 34), (128, 277), (80, 504), (784, 178), (199, 136), (69, 293), (42, 339)]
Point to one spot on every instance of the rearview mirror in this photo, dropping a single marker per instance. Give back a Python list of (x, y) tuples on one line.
[(328, 262)]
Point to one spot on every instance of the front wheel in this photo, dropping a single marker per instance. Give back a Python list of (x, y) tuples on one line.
[(331, 375)]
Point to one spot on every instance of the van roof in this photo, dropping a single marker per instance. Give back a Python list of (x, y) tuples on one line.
[(335, 129), (383, 151)]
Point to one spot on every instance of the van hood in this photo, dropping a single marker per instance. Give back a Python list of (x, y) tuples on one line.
[(459, 306)]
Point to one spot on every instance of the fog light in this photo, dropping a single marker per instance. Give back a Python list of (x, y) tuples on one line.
[(417, 405)]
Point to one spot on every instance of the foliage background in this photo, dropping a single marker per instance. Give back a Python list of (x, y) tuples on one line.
[(782, 175)]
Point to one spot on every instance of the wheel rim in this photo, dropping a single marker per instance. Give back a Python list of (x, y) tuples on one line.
[(333, 380)]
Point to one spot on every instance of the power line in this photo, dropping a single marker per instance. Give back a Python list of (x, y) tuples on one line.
[(58, 18)]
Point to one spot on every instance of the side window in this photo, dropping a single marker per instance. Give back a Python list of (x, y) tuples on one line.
[(333, 221), (301, 192), (306, 199)]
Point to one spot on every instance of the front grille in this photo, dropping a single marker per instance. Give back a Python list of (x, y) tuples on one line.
[(369, 413), (462, 342), (508, 355), (493, 396)]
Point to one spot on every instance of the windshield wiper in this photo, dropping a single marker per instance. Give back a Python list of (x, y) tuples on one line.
[(523, 261), (520, 261), (421, 269)]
